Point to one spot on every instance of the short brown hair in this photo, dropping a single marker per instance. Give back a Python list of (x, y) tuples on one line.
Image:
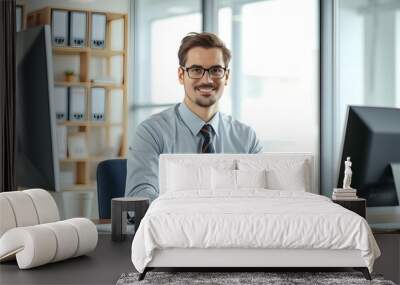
[(205, 40)]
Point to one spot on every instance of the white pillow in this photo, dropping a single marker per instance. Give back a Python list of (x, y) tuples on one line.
[(223, 179), (281, 174), (290, 179), (182, 177), (226, 179), (251, 178)]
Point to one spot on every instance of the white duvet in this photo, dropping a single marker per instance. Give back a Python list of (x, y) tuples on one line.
[(251, 218)]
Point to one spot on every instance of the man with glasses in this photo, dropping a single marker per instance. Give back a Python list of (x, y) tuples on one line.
[(193, 126)]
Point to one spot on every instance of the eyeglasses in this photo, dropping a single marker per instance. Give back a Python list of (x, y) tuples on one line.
[(197, 72)]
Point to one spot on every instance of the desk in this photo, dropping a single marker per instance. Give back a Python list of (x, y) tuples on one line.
[(104, 265)]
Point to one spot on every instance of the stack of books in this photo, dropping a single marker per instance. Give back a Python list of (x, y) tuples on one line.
[(344, 194)]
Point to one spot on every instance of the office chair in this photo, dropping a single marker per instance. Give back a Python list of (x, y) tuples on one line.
[(111, 179)]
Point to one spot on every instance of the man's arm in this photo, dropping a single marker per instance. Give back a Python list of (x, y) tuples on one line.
[(255, 146), (142, 164)]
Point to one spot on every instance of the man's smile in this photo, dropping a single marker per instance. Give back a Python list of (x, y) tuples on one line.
[(205, 89)]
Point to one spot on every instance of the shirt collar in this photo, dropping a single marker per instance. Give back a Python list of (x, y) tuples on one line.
[(194, 122)]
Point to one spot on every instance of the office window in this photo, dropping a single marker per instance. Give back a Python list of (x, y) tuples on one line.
[(275, 70), (368, 62), (159, 28)]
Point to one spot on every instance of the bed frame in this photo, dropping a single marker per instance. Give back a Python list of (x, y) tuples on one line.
[(241, 259)]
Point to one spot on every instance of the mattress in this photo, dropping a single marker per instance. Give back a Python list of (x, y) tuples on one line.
[(250, 219)]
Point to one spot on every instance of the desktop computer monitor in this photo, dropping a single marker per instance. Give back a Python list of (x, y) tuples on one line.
[(372, 140), (36, 161)]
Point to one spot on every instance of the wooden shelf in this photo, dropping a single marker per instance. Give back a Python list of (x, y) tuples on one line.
[(77, 83), (93, 124), (88, 159), (93, 51), (106, 52), (70, 50), (68, 160), (80, 187), (101, 158), (88, 124), (73, 123), (107, 85), (114, 16), (90, 84)]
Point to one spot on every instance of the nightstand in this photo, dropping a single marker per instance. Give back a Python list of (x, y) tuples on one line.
[(119, 209), (357, 205)]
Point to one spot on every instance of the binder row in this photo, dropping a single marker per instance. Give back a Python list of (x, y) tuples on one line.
[(69, 29), (70, 103)]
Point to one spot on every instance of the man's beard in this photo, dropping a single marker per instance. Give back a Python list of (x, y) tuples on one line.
[(205, 102)]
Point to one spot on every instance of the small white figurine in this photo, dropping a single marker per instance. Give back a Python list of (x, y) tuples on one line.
[(347, 174)]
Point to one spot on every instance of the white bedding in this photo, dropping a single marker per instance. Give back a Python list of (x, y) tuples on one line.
[(250, 218)]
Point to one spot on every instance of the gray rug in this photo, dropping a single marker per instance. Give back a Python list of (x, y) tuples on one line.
[(242, 278)]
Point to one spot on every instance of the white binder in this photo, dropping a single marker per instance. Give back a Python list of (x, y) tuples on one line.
[(98, 39), (98, 104), (77, 29), (18, 18), (61, 102), (117, 40), (77, 104), (116, 110), (117, 69), (59, 27), (77, 145), (62, 141)]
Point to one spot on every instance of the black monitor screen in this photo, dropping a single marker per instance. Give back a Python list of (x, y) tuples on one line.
[(372, 140), (36, 161)]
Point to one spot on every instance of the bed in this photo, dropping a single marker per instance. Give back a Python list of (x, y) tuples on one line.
[(242, 211)]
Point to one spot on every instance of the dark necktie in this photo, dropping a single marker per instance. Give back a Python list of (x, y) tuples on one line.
[(207, 146)]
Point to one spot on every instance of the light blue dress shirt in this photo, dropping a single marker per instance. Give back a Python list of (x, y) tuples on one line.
[(177, 130)]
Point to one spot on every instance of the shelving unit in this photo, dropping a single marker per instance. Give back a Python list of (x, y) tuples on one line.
[(104, 139)]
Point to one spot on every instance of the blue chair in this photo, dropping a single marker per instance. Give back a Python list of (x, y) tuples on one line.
[(111, 180)]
